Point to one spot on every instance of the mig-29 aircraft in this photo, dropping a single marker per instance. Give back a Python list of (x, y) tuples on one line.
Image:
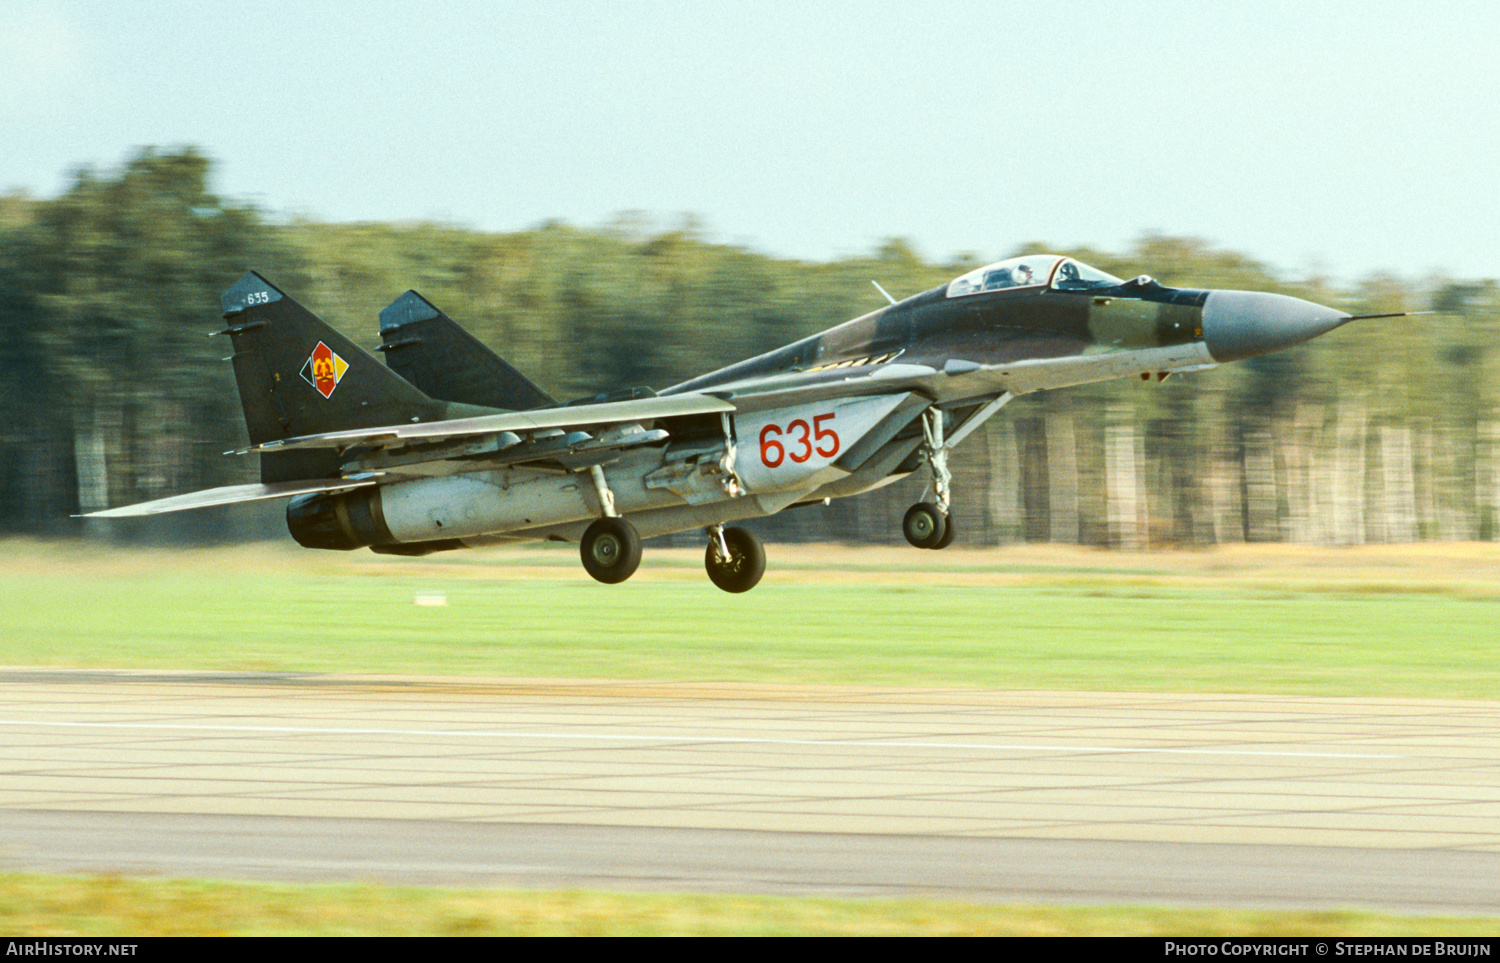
[(447, 446)]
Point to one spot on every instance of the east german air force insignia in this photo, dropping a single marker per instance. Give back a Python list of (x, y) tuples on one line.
[(324, 370)]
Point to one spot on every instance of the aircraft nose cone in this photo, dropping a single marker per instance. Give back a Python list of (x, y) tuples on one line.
[(1243, 324)]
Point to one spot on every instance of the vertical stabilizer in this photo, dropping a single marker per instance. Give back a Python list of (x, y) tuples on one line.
[(430, 350), (298, 376)]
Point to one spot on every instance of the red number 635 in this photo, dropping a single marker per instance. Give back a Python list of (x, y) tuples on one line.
[(805, 439)]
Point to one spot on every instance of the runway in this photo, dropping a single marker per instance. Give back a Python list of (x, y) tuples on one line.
[(995, 796)]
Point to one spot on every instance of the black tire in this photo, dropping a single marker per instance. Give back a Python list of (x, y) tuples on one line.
[(741, 572), (949, 531), (924, 526), (611, 550)]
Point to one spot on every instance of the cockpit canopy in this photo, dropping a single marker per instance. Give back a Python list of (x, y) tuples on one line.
[(1033, 271)]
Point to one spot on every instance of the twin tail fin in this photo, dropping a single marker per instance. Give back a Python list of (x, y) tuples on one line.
[(298, 376), (429, 349)]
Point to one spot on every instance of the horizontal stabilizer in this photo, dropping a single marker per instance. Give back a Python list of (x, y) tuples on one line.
[(230, 495)]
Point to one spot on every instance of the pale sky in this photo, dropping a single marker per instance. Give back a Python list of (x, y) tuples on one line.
[(1319, 136)]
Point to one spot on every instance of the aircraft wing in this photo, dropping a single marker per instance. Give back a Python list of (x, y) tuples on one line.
[(576, 417), (572, 436)]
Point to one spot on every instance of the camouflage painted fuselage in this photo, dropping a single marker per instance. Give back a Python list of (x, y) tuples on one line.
[(994, 330)]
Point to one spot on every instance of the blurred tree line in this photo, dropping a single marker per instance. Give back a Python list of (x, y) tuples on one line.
[(111, 393)]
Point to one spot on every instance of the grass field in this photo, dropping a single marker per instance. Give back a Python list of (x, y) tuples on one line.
[(111, 906), (1395, 621)]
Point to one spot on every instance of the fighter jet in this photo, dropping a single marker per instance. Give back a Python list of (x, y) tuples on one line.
[(447, 446)]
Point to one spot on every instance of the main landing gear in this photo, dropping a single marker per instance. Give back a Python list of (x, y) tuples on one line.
[(611, 552), (735, 559), (611, 548)]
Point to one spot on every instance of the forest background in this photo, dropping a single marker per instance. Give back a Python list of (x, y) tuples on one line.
[(1382, 432)]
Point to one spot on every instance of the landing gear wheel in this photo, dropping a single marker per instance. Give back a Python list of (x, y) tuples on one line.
[(611, 550), (924, 525), (745, 565), (949, 530)]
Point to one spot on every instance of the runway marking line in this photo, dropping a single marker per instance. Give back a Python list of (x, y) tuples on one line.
[(735, 740)]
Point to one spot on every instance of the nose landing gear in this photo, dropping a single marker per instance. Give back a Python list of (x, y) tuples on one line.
[(930, 524), (924, 525)]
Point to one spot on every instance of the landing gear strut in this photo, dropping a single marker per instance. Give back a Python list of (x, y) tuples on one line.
[(735, 559), (929, 524), (610, 547)]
